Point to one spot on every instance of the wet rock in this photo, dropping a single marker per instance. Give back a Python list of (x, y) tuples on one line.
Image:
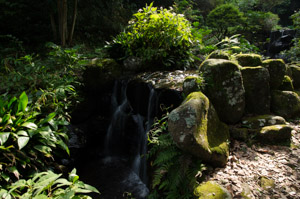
[(257, 89), (211, 190), (277, 70), (285, 104), (195, 128), (249, 59), (224, 87), (100, 75)]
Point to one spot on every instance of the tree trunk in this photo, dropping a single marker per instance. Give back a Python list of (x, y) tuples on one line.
[(62, 8), (53, 26), (73, 22)]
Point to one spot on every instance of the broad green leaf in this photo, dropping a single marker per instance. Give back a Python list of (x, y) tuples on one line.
[(22, 133), (30, 125), (48, 118), (23, 101), (11, 102), (62, 182), (91, 188), (4, 137), (40, 197), (5, 177), (14, 171), (64, 146), (43, 149), (22, 141)]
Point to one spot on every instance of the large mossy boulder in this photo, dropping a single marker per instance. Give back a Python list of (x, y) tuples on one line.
[(277, 70), (249, 59), (276, 134), (196, 129), (295, 70), (224, 87), (211, 190), (285, 104), (100, 74), (257, 90)]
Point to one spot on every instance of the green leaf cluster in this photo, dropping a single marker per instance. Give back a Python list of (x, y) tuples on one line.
[(27, 142), (160, 37), (176, 173), (49, 185)]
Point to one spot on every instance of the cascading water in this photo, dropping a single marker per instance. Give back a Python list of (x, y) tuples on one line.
[(117, 140)]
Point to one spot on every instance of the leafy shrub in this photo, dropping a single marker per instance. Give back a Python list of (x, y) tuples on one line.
[(27, 143), (160, 37), (176, 173), (225, 20), (49, 185), (236, 44)]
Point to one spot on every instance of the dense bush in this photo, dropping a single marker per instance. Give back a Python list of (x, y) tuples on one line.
[(48, 185), (160, 37)]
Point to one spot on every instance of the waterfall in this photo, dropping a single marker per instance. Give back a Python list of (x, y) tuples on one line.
[(126, 136)]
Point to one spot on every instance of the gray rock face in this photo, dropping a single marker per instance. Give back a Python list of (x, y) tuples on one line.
[(195, 128), (285, 104), (191, 84), (257, 89), (262, 121), (224, 87), (277, 70)]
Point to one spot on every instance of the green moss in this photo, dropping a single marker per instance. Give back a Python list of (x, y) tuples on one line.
[(266, 183), (287, 84), (262, 120), (249, 59), (276, 134), (211, 190)]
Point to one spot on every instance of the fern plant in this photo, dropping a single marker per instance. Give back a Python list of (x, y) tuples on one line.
[(176, 173)]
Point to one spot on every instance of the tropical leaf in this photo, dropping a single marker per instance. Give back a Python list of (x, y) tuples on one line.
[(4, 137), (23, 101)]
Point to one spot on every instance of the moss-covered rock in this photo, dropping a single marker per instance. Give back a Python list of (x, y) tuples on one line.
[(276, 134), (277, 70), (266, 183), (100, 74), (191, 84), (211, 190), (257, 89), (285, 104), (195, 128), (249, 59), (218, 54), (295, 70), (262, 120), (224, 87), (287, 84)]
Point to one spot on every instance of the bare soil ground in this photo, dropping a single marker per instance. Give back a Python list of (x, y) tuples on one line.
[(247, 165)]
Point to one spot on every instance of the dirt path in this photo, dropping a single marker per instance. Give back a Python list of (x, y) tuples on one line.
[(247, 165)]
